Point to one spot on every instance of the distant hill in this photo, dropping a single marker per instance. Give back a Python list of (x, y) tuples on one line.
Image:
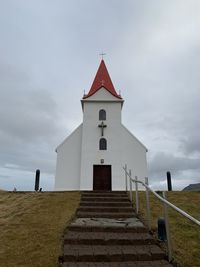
[(192, 187)]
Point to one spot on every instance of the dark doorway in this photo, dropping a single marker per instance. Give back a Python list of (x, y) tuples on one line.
[(102, 177)]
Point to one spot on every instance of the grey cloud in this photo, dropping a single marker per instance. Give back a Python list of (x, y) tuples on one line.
[(29, 126), (191, 143), (28, 115), (5, 177), (163, 162), (26, 112)]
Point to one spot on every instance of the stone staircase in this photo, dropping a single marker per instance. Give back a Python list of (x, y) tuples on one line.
[(106, 232)]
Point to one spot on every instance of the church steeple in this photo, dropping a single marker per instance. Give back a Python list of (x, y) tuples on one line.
[(102, 79)]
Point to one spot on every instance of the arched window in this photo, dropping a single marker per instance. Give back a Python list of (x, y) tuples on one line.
[(102, 115), (102, 144)]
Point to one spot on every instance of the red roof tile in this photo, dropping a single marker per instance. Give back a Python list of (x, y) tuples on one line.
[(102, 79)]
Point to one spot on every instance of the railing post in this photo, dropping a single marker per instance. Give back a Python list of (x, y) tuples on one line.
[(169, 247), (131, 190), (136, 196), (148, 204), (126, 178)]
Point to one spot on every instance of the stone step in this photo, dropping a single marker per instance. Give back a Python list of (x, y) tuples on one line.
[(159, 263), (105, 199), (104, 192), (104, 195), (82, 214), (92, 238), (106, 204), (105, 209), (118, 253), (106, 232), (106, 229)]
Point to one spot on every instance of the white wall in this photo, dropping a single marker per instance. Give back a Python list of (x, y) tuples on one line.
[(134, 155), (68, 162)]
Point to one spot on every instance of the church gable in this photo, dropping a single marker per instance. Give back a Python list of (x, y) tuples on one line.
[(72, 138), (127, 135)]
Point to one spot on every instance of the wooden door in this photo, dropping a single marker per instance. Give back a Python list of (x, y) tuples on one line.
[(102, 177)]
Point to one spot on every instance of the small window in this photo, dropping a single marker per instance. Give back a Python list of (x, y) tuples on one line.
[(102, 144), (102, 115)]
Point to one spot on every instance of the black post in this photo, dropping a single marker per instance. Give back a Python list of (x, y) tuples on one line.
[(162, 229), (37, 180), (169, 181)]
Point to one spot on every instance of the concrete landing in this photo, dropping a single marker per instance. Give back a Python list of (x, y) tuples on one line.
[(98, 222)]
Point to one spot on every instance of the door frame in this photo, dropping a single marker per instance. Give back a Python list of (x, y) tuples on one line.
[(107, 165)]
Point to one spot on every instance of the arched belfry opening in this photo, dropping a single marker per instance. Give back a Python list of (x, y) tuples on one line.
[(102, 115)]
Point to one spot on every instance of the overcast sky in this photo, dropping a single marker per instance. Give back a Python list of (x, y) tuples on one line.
[(49, 54)]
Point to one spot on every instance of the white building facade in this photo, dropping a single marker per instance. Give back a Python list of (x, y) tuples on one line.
[(93, 156)]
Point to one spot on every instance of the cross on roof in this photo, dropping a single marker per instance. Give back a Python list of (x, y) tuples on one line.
[(102, 54)]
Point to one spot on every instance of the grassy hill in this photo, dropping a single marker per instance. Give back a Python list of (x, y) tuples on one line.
[(32, 225), (185, 235)]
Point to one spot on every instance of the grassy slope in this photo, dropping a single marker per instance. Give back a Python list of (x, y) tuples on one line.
[(184, 234), (32, 225)]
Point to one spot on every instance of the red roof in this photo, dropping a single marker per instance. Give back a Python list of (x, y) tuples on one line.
[(102, 79)]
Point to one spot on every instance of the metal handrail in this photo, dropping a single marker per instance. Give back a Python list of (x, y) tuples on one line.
[(165, 201), (162, 199)]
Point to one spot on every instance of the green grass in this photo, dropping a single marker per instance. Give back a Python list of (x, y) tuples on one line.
[(32, 227), (185, 235)]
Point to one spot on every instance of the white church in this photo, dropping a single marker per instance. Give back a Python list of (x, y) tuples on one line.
[(93, 155)]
